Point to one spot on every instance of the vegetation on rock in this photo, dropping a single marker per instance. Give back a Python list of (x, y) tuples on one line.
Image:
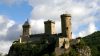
[(93, 41), (44, 49)]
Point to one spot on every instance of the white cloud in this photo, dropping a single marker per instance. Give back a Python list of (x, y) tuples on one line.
[(91, 28), (4, 46), (83, 33), (37, 26), (9, 32), (58, 26), (5, 24), (81, 10), (74, 36), (13, 33)]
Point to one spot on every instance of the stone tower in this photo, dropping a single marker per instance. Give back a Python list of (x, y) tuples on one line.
[(66, 26), (49, 27), (26, 31)]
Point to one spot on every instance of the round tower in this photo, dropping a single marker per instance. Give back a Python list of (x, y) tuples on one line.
[(26, 31), (66, 26)]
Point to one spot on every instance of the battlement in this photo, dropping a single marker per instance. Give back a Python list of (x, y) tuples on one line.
[(66, 15), (49, 21)]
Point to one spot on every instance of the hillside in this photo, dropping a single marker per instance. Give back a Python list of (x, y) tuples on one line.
[(93, 41)]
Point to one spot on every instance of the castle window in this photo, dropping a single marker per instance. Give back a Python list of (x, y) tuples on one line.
[(67, 28)]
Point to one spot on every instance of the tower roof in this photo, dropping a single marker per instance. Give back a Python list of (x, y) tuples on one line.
[(26, 22)]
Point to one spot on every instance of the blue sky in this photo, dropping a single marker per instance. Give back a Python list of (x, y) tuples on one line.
[(13, 13), (16, 12)]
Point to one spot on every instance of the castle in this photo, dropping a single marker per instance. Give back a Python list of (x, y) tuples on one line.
[(61, 39)]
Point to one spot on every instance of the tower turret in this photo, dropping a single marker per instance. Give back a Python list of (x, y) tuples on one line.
[(49, 27), (66, 26), (26, 31)]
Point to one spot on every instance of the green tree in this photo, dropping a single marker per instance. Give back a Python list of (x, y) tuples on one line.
[(53, 54), (45, 55)]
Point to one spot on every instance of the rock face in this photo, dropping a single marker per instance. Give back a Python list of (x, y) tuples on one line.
[(79, 48), (60, 51), (85, 51), (82, 48)]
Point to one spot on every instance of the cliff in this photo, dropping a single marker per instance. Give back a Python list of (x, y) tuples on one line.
[(31, 49), (87, 46), (42, 49)]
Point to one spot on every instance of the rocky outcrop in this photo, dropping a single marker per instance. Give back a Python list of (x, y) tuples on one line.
[(79, 48), (85, 51)]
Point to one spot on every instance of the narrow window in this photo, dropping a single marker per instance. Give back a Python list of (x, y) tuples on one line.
[(67, 28)]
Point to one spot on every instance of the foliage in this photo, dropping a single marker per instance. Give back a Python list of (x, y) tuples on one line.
[(32, 49), (45, 55), (73, 52), (64, 54), (53, 54), (81, 44), (45, 49), (26, 49), (93, 40)]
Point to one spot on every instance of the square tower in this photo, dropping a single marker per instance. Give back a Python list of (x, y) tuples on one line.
[(49, 27), (66, 26)]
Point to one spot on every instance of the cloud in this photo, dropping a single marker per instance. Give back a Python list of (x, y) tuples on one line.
[(80, 10), (37, 26), (9, 32), (74, 36), (58, 26), (5, 23), (83, 13), (13, 33), (53, 7), (4, 46), (91, 29)]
